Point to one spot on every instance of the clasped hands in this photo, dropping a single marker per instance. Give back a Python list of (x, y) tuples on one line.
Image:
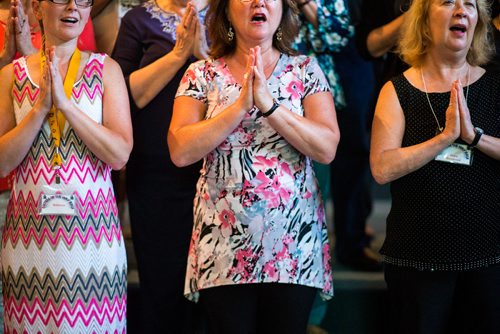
[(51, 85), (17, 33), (458, 121), (254, 89), (191, 38)]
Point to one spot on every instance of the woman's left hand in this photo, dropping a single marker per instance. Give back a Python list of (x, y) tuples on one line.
[(261, 96), (200, 43), (59, 98), (467, 132)]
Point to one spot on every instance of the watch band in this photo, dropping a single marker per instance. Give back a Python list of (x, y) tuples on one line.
[(477, 137), (270, 111)]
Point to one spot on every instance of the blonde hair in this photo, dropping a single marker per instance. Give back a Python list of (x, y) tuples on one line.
[(415, 37)]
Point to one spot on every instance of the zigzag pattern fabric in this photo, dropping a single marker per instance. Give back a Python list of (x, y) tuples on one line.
[(63, 274)]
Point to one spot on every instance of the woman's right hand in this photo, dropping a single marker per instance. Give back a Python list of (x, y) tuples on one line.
[(186, 33), (452, 126), (44, 102), (245, 101)]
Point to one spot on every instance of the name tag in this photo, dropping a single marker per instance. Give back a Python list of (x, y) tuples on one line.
[(456, 154), (57, 200)]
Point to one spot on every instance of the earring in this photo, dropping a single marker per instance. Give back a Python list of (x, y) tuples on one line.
[(279, 34), (230, 34)]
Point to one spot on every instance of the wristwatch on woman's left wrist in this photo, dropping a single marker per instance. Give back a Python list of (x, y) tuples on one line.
[(271, 110), (479, 132)]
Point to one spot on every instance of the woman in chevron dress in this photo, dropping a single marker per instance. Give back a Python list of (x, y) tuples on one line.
[(63, 256)]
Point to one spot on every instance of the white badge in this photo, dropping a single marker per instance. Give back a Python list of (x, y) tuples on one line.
[(456, 154), (57, 200)]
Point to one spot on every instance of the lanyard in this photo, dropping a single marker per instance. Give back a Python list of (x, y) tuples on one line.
[(55, 117)]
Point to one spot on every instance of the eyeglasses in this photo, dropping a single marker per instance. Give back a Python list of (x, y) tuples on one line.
[(79, 3), (248, 1)]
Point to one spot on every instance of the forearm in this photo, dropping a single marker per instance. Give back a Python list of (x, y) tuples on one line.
[(315, 140), (148, 81), (382, 39), (109, 146), (392, 164), (98, 7), (191, 143), (310, 10), (15, 144), (490, 146)]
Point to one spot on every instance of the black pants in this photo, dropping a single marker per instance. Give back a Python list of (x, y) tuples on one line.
[(258, 308), (161, 218), (427, 302)]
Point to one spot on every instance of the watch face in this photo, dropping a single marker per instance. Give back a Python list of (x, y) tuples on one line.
[(478, 130)]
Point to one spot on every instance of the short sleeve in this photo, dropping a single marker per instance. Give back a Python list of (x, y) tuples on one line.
[(314, 78), (194, 83)]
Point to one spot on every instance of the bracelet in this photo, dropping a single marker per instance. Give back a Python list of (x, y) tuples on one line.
[(270, 111), (300, 5)]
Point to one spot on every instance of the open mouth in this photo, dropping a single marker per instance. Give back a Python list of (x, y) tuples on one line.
[(259, 17), (69, 20), (458, 27)]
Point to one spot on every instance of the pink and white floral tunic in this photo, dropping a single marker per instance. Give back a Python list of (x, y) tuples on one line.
[(258, 213)]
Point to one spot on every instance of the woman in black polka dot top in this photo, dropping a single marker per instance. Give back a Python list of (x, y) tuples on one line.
[(436, 138)]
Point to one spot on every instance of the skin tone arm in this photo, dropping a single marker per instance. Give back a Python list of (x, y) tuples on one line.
[(15, 141), (389, 161), (98, 7), (148, 81), (310, 11), (382, 39), (112, 140), (316, 134)]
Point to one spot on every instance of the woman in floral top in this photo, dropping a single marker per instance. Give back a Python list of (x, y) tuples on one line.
[(257, 114)]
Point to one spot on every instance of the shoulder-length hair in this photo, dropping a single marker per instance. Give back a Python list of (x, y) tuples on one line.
[(218, 26), (416, 39)]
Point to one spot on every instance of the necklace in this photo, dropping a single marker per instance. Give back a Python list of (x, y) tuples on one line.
[(440, 129)]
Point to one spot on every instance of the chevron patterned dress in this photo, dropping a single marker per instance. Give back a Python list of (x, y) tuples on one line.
[(63, 274)]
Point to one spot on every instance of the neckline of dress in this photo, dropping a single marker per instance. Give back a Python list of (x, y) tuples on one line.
[(276, 67)]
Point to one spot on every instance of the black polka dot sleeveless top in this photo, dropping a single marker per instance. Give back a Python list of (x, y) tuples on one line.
[(446, 216)]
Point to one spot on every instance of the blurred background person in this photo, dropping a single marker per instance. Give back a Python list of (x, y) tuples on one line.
[(436, 138), (378, 34), (324, 30), (156, 42), (351, 177), (106, 17), (258, 115), (62, 244), (494, 64)]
